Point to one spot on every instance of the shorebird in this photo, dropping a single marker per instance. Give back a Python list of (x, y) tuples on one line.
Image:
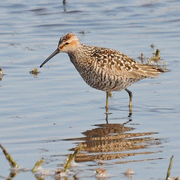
[(103, 68)]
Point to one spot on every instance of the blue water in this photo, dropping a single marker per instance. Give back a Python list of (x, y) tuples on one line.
[(45, 116)]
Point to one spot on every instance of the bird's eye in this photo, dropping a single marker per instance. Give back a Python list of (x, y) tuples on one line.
[(66, 43)]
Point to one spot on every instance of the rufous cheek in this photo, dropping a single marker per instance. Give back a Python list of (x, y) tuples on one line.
[(73, 44), (61, 47)]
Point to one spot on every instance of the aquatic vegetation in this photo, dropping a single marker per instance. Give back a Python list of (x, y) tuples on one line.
[(169, 170), (34, 72), (71, 159), (155, 59), (37, 165), (100, 172), (12, 163), (37, 170), (156, 56)]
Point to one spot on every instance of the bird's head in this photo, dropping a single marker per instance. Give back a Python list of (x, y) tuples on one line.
[(67, 43)]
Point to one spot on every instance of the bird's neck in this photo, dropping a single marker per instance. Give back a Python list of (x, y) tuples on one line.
[(80, 56)]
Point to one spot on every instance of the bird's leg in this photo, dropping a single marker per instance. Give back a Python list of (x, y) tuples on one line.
[(130, 99), (107, 94), (107, 114)]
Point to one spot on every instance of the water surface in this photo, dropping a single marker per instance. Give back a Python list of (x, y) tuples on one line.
[(49, 115)]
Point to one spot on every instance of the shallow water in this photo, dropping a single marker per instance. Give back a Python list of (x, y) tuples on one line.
[(49, 115)]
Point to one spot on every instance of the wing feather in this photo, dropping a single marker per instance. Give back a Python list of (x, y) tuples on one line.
[(118, 64)]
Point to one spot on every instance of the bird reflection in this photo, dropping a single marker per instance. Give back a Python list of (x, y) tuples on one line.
[(107, 117), (114, 141)]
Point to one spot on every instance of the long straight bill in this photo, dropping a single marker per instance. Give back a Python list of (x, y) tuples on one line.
[(51, 56)]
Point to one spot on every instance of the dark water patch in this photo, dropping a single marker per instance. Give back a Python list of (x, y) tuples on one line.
[(73, 12), (51, 25), (154, 5), (40, 11)]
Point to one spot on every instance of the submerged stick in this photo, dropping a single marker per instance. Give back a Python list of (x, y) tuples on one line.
[(12, 163), (169, 168)]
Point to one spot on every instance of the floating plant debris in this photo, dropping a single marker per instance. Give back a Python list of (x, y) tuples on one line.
[(155, 60), (34, 72), (100, 172)]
